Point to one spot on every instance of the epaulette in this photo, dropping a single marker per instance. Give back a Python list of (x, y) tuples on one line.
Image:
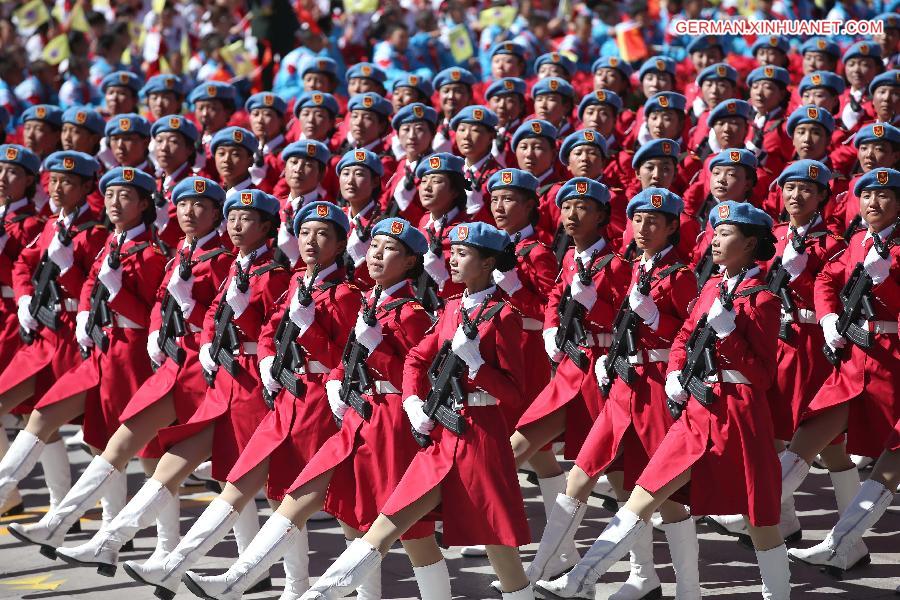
[(324, 287), (604, 262), (455, 297), (266, 268), (212, 254), (816, 235), (394, 304), (752, 290), (526, 249), (19, 218), (544, 189), (136, 248), (89, 225), (493, 311), (670, 270)]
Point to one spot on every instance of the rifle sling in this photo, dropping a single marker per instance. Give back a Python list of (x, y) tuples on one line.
[(526, 250)]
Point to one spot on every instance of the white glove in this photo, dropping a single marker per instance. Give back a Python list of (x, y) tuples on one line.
[(206, 359), (550, 347), (441, 143), (111, 278), (265, 374), (877, 267), (829, 327), (257, 174), (849, 116), (584, 294), (600, 371), (674, 390), (368, 335), (436, 268), (794, 262), (63, 256), (333, 392), (467, 350), (154, 350), (82, 335), (356, 248), (420, 421), (720, 319), (180, 290), (645, 307), (236, 299), (162, 217), (403, 197), (27, 322), (474, 201), (508, 281), (302, 316), (287, 243)]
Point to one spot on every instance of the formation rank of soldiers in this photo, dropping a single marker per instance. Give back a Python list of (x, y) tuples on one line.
[(381, 311)]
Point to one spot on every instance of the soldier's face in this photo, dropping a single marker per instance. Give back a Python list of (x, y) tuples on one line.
[(357, 184), (879, 208), (552, 70), (172, 150), (771, 56), (316, 123), (247, 229), (729, 182), (467, 265), (68, 190), (416, 138), (320, 82), (511, 209), (40, 137), (454, 96), (716, 90), (810, 140), (609, 79), (664, 124), (388, 260), (581, 218), (124, 206), (730, 132), (552, 107), (163, 103), (801, 199), (506, 65), (765, 95), (822, 97), (78, 138), (319, 243), (233, 163), (601, 117), (402, 96), (120, 99), (302, 174), (705, 58), (817, 61), (14, 181), (860, 71), (873, 155), (535, 155), (211, 114), (474, 141), (366, 126), (586, 161), (197, 216), (437, 194), (886, 102), (652, 230), (656, 172), (731, 248), (655, 82), (266, 123), (508, 107), (129, 149), (361, 85)]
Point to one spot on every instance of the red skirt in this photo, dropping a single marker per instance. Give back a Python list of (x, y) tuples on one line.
[(234, 407), (367, 460), (108, 379), (536, 378), (288, 436), (481, 499), (730, 449), (10, 340), (578, 393), (893, 443)]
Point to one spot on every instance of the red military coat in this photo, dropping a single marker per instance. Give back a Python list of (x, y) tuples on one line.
[(478, 199), (427, 227), (170, 232), (20, 227), (396, 192)]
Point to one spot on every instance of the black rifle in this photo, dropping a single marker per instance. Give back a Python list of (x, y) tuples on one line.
[(173, 325), (561, 243), (857, 305), (624, 343), (258, 156), (570, 333), (426, 287), (444, 374), (289, 356), (100, 316), (779, 279), (159, 201), (701, 358), (226, 340), (852, 227), (704, 269), (356, 376), (45, 298)]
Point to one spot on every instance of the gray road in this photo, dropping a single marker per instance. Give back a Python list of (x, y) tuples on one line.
[(727, 570)]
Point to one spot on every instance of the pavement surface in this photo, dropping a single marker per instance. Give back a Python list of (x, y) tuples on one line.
[(727, 570)]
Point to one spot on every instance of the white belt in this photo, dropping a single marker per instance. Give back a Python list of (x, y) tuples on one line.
[(653, 355), (385, 387), (194, 329), (728, 376), (7, 292), (246, 348), (529, 324), (313, 367), (481, 398), (124, 322), (70, 304), (804, 315), (878, 327), (602, 340)]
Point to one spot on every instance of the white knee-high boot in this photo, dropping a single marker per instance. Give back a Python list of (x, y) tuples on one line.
[(57, 474), (245, 529), (346, 573), (113, 499), (433, 581), (168, 528), (642, 583), (296, 567), (370, 588), (776, 576), (18, 462), (13, 504), (685, 551), (793, 471), (559, 533)]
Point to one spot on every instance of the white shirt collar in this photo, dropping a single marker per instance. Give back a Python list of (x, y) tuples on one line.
[(477, 166), (322, 274), (730, 281), (883, 234), (71, 218), (362, 213), (597, 247), (523, 233), (545, 175), (371, 144), (801, 231), (132, 233), (12, 206), (239, 187), (202, 241), (306, 198), (714, 144), (390, 291), (661, 255), (272, 145), (169, 181), (470, 301), (435, 224), (244, 261)]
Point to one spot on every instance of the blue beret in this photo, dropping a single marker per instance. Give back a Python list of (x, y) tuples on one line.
[(421, 84), (453, 75), (505, 86), (362, 157), (734, 156), (822, 79), (414, 112), (704, 42), (321, 211), (266, 100), (771, 73), (255, 199), (553, 85), (440, 162), (128, 123), (891, 20), (583, 137), (891, 78), (22, 156), (805, 170), (810, 114), (366, 70), (475, 115), (234, 136), (772, 41), (877, 179), (479, 235), (198, 187), (513, 48), (535, 128), (319, 64), (128, 176), (555, 58), (718, 71), (163, 83), (372, 102), (600, 97), (307, 149), (122, 79), (863, 50), (213, 90), (657, 64), (70, 161), (316, 99), (84, 116), (582, 187), (512, 178), (175, 124), (818, 44), (874, 132), (744, 213), (655, 199), (665, 101), (401, 229), (43, 112), (729, 108), (612, 62), (658, 148)]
